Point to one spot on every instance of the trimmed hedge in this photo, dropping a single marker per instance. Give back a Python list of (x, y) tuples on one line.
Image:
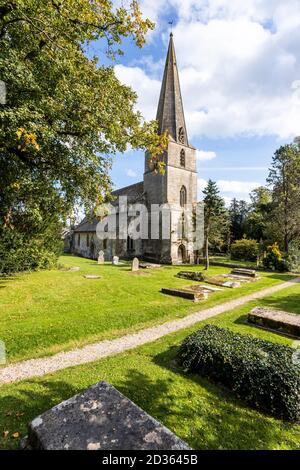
[(260, 372), (244, 249)]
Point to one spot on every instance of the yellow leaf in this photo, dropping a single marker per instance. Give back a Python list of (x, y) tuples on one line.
[(16, 435)]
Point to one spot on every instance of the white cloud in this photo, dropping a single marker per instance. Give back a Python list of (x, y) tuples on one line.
[(239, 189), (239, 66), (131, 173), (146, 88), (201, 184), (240, 168), (205, 155)]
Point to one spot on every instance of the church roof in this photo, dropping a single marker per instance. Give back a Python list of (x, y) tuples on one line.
[(134, 193), (170, 114)]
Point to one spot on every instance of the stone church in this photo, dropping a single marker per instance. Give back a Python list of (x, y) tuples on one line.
[(177, 188)]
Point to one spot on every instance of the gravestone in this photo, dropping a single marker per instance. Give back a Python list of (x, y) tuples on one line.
[(99, 418), (135, 264), (115, 260), (276, 320), (92, 276), (101, 257)]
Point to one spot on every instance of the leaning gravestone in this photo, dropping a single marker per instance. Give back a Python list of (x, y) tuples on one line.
[(115, 260), (101, 257), (135, 264), (99, 418)]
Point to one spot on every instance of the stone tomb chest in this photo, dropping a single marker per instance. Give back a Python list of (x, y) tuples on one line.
[(99, 418)]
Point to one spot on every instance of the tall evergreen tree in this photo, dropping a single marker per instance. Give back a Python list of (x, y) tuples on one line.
[(237, 212), (215, 218), (258, 221)]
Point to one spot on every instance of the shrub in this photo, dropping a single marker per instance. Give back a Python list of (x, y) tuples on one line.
[(244, 250), (20, 254), (260, 372), (274, 259), (293, 258)]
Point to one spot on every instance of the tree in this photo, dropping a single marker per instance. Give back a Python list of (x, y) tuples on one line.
[(215, 218), (284, 178), (237, 213), (258, 220), (65, 113)]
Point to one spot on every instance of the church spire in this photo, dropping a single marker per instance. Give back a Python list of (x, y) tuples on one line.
[(170, 114)]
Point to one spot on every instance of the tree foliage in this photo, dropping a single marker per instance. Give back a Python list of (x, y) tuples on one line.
[(284, 178), (65, 113), (215, 218), (237, 213)]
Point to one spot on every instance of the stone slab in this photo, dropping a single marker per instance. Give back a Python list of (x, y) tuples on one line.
[(191, 275), (277, 320), (244, 272), (212, 289), (100, 418), (73, 268), (149, 265), (231, 284), (92, 276), (186, 294), (241, 278)]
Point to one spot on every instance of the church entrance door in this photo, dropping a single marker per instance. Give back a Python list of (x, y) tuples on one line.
[(181, 254)]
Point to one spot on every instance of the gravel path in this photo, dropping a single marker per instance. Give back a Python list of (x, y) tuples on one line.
[(92, 352)]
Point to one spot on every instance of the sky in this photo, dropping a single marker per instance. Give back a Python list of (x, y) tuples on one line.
[(239, 66)]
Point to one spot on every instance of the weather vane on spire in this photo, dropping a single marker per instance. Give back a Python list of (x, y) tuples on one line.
[(171, 24)]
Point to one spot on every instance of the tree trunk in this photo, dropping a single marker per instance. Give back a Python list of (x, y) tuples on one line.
[(286, 242), (206, 254)]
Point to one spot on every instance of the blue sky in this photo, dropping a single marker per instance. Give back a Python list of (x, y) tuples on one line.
[(239, 65)]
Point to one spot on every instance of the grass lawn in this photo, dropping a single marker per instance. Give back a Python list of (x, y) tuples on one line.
[(48, 311), (227, 260), (204, 415)]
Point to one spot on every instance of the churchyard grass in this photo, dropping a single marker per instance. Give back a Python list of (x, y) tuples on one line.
[(227, 260), (203, 414), (44, 312)]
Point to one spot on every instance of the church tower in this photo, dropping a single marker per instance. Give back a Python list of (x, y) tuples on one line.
[(177, 187)]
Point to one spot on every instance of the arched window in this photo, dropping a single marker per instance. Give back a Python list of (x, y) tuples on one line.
[(105, 244), (130, 246), (182, 158), (181, 135), (183, 196)]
